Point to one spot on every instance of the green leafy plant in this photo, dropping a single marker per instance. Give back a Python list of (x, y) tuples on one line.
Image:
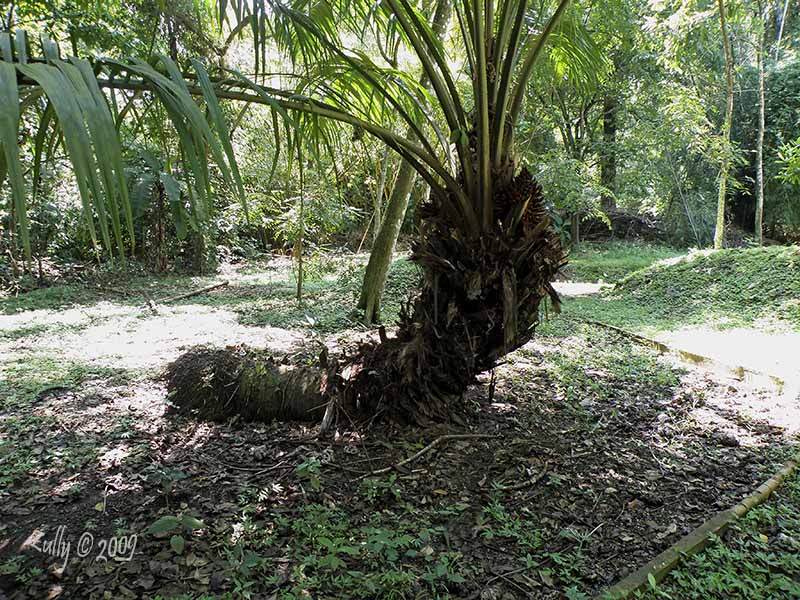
[(182, 524)]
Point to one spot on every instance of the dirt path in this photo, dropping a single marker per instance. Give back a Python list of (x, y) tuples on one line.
[(776, 355)]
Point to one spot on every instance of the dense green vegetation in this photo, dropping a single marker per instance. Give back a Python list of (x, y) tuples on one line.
[(758, 287)]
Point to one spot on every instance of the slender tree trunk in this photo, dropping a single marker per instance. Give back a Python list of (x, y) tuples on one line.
[(759, 224), (576, 229), (608, 156), (719, 232), (298, 248), (378, 218), (383, 246), (161, 241), (780, 29)]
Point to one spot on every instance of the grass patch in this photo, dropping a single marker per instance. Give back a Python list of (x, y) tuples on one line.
[(759, 557), (613, 260), (757, 287), (328, 304)]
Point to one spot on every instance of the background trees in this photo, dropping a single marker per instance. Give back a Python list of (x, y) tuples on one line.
[(637, 131)]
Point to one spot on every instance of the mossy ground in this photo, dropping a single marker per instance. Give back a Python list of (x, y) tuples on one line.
[(757, 287)]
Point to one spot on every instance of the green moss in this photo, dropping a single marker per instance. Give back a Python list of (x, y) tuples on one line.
[(729, 288), (613, 260)]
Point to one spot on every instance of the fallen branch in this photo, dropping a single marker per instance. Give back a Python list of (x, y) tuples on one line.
[(527, 483), (428, 448), (697, 540), (195, 292), (151, 305), (739, 372)]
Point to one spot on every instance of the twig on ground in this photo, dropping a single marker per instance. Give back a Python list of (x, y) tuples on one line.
[(526, 483), (195, 292), (428, 448)]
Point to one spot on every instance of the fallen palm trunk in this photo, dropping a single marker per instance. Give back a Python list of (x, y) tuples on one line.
[(481, 298), (216, 384)]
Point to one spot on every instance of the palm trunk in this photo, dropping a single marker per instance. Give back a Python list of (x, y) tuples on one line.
[(383, 246), (759, 224), (487, 253), (719, 232), (480, 299)]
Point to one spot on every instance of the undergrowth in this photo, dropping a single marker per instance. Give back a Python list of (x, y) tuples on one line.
[(759, 557)]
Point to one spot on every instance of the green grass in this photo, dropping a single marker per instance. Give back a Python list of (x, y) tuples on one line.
[(759, 557), (328, 303), (613, 260), (260, 295), (757, 287)]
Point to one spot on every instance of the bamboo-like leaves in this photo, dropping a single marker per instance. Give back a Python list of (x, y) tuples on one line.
[(218, 119), (9, 128), (78, 114), (62, 96)]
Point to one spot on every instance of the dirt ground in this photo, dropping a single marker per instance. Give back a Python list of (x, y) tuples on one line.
[(582, 457)]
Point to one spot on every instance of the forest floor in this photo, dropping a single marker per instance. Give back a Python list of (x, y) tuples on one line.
[(588, 456)]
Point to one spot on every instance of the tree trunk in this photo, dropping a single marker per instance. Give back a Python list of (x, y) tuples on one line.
[(480, 299), (759, 224), (299, 243), (377, 218), (218, 383), (719, 232), (780, 30), (381, 255), (576, 229), (383, 246), (608, 155)]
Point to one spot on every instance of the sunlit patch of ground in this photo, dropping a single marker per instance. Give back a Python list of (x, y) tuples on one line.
[(132, 337), (772, 353), (578, 288)]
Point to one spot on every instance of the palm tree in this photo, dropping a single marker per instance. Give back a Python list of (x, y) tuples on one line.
[(486, 249)]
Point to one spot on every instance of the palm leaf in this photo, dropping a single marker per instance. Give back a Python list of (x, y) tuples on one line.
[(9, 129), (76, 140)]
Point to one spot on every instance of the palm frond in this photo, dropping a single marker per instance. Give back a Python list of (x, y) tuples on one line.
[(9, 130)]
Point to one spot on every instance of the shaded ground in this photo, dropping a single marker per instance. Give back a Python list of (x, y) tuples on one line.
[(759, 557), (597, 454)]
